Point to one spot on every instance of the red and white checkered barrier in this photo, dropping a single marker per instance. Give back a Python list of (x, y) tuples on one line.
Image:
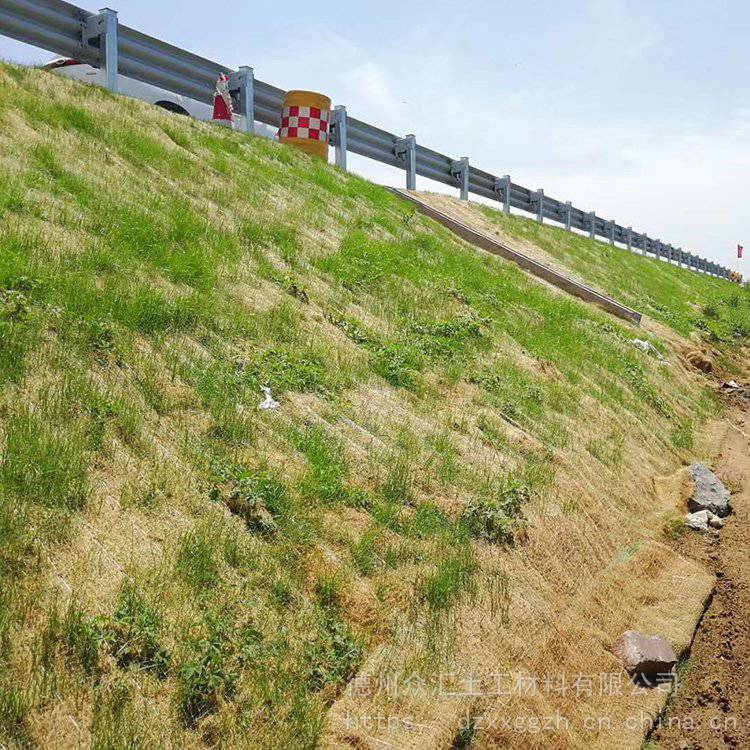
[(304, 122)]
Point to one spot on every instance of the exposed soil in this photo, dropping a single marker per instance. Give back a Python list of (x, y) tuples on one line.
[(738, 394), (711, 707)]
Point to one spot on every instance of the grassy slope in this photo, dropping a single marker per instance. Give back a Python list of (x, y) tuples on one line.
[(684, 300), (180, 569)]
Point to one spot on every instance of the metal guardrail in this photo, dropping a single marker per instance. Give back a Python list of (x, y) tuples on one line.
[(99, 40)]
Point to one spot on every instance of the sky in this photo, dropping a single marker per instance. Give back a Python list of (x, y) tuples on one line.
[(638, 110)]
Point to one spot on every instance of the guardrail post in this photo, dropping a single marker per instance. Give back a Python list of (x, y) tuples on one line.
[(502, 186), (568, 212), (411, 162), (460, 170), (103, 26), (592, 228), (338, 122), (612, 226), (630, 238), (406, 149), (540, 206), (243, 82)]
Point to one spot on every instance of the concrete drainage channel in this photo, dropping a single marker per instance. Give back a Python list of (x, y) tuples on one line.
[(484, 242)]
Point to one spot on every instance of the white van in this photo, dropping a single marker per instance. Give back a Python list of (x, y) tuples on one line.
[(180, 105)]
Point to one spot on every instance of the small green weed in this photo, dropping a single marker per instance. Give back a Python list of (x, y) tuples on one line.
[(498, 515), (133, 632), (259, 497), (333, 655), (209, 674), (675, 528)]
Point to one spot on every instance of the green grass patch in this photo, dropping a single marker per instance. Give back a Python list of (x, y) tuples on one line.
[(659, 289)]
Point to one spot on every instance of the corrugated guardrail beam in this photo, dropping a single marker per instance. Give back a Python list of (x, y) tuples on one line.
[(98, 39)]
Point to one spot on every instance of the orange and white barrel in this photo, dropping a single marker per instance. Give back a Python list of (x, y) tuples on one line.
[(305, 122)]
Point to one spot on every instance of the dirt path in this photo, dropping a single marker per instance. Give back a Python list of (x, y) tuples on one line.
[(711, 708)]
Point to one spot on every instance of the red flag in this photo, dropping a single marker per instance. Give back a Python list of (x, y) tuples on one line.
[(223, 102), (739, 251)]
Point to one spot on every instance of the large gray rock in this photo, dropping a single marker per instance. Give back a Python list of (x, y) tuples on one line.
[(709, 493), (645, 655)]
